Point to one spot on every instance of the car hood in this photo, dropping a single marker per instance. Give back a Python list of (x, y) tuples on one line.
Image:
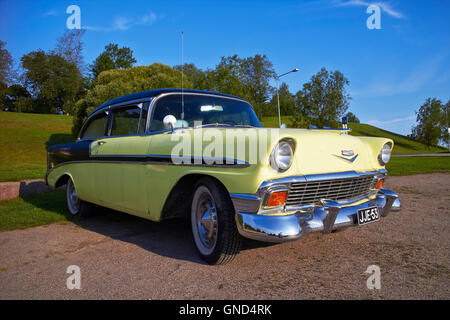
[(325, 151), (316, 151)]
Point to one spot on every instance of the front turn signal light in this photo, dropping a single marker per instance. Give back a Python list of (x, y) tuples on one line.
[(277, 198), (379, 184)]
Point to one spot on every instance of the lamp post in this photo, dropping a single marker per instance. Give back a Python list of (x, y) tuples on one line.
[(277, 78)]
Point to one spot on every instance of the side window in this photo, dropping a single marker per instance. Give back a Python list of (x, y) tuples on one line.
[(129, 120), (96, 127)]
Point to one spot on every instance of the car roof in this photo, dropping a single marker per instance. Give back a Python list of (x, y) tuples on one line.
[(156, 92)]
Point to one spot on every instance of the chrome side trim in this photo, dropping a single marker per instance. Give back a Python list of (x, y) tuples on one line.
[(147, 159)]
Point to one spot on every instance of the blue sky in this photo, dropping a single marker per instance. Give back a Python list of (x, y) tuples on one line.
[(391, 71)]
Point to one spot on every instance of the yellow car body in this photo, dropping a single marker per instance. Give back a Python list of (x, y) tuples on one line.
[(139, 174)]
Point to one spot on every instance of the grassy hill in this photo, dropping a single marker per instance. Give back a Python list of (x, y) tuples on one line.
[(24, 137), (402, 144)]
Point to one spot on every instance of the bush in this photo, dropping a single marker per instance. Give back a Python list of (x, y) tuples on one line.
[(118, 82)]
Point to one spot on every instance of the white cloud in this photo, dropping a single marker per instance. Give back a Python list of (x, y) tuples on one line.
[(385, 122), (417, 78), (125, 23), (386, 7)]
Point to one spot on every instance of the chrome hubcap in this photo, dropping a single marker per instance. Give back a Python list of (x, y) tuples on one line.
[(73, 201), (204, 220)]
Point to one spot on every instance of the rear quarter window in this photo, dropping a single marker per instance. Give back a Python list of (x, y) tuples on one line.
[(96, 127)]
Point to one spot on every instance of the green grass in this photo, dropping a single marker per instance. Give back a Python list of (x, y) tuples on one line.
[(402, 144), (272, 122), (33, 210), (23, 139), (50, 207), (403, 166)]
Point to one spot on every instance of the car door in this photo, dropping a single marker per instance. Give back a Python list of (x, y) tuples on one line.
[(164, 143), (84, 174), (121, 180)]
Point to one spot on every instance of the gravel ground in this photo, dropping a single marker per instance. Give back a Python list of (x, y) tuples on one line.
[(123, 257)]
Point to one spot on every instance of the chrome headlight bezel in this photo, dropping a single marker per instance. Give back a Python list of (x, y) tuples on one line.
[(385, 154), (282, 155)]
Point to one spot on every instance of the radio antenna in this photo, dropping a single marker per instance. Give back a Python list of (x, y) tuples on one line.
[(182, 81)]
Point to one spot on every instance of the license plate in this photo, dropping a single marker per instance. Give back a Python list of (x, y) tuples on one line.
[(368, 215)]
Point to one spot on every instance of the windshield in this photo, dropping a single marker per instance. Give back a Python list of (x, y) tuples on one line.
[(203, 110)]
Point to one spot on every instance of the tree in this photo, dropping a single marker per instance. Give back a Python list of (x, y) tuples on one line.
[(195, 75), (52, 81), (445, 136), (70, 47), (323, 100), (115, 83), (352, 117), (287, 102), (6, 64), (247, 78), (113, 58), (15, 93), (431, 122), (227, 77), (257, 72)]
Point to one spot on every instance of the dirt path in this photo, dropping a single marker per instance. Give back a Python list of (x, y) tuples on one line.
[(125, 257)]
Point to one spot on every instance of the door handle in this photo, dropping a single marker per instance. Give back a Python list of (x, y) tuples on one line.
[(101, 143)]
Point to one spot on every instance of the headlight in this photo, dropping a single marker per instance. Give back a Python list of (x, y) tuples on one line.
[(385, 154), (282, 154)]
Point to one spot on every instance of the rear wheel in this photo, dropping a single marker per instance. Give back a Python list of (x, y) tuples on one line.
[(213, 226), (76, 206)]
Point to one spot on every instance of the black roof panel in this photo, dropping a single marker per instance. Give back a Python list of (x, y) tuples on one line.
[(156, 92)]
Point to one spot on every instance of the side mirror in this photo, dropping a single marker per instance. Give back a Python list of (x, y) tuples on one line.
[(283, 126), (169, 121)]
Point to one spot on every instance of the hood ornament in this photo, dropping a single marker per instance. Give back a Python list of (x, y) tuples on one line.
[(347, 153)]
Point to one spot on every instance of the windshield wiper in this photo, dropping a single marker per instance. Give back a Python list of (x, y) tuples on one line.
[(244, 126), (213, 125), (224, 125)]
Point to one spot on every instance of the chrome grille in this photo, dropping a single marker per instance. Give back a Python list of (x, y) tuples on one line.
[(302, 193)]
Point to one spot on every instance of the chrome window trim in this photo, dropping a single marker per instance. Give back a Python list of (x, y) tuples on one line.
[(87, 121), (152, 101), (109, 107), (157, 98), (139, 106)]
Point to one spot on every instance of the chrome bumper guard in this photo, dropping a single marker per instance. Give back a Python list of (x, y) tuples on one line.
[(327, 217)]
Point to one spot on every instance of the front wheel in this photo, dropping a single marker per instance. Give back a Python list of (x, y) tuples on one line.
[(76, 206), (213, 226)]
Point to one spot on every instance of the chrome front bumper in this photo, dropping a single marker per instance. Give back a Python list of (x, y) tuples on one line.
[(325, 218)]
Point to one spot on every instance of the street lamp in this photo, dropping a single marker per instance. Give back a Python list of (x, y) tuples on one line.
[(277, 78)]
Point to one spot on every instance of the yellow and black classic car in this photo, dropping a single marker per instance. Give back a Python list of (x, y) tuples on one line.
[(169, 153)]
